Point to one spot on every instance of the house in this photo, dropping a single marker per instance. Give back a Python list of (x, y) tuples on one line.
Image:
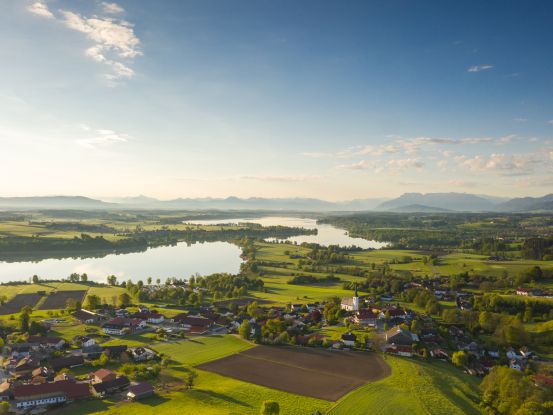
[(142, 354), (195, 324), (366, 318), (120, 325), (66, 362), (102, 375), (400, 350), (115, 351), (529, 292), (46, 342), (349, 339), (87, 317), (140, 391), (121, 313), (149, 316), (394, 313), (399, 336), (20, 350), (110, 386), (24, 367), (46, 394)]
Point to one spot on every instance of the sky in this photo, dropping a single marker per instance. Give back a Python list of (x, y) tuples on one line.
[(290, 98)]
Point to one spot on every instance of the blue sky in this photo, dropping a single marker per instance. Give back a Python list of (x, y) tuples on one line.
[(276, 99)]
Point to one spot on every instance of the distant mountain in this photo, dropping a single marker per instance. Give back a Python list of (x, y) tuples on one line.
[(419, 209), (460, 202), (527, 204), (254, 203), (53, 202)]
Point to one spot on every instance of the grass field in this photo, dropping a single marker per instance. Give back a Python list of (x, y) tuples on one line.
[(426, 388), (212, 394), (199, 350)]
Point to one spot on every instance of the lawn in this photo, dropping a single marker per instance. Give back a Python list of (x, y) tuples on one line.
[(434, 388), (202, 349)]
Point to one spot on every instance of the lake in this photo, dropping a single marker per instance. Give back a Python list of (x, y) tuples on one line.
[(180, 260), (326, 234)]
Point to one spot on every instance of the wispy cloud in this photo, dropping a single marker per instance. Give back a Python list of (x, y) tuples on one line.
[(40, 9), (399, 165), (360, 165), (550, 122), (112, 8), (520, 119), (505, 164), (479, 68), (114, 42), (102, 138)]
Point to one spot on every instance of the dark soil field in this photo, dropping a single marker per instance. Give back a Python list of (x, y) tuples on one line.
[(18, 302), (58, 299), (322, 374)]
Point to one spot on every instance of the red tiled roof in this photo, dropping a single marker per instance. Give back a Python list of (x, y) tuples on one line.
[(71, 389)]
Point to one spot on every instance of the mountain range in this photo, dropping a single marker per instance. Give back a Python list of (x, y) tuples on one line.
[(408, 202)]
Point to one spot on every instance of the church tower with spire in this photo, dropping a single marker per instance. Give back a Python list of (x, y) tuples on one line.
[(355, 300)]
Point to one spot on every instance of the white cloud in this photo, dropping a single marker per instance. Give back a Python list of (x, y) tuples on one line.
[(479, 68), (114, 41), (399, 165), (102, 138), (550, 122), (360, 165), (110, 35), (40, 9), (506, 164), (520, 119), (112, 8), (413, 145)]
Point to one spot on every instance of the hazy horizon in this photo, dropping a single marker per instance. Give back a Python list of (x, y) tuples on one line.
[(257, 99)]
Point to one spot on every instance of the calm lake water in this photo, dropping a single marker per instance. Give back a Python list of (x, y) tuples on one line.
[(326, 234), (180, 260)]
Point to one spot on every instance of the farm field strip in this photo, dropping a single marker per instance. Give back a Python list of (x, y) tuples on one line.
[(318, 374)]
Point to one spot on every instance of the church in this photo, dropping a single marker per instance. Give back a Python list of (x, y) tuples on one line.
[(351, 304)]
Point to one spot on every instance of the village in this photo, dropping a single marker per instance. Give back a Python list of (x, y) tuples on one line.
[(44, 371)]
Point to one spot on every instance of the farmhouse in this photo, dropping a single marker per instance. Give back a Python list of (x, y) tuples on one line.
[(119, 325), (399, 336), (142, 354), (102, 375), (28, 396), (150, 317), (399, 350), (349, 339), (140, 391), (87, 317), (366, 318), (66, 362), (197, 324), (110, 386), (46, 342)]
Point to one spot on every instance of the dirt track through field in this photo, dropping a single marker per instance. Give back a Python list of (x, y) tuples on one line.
[(322, 374)]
